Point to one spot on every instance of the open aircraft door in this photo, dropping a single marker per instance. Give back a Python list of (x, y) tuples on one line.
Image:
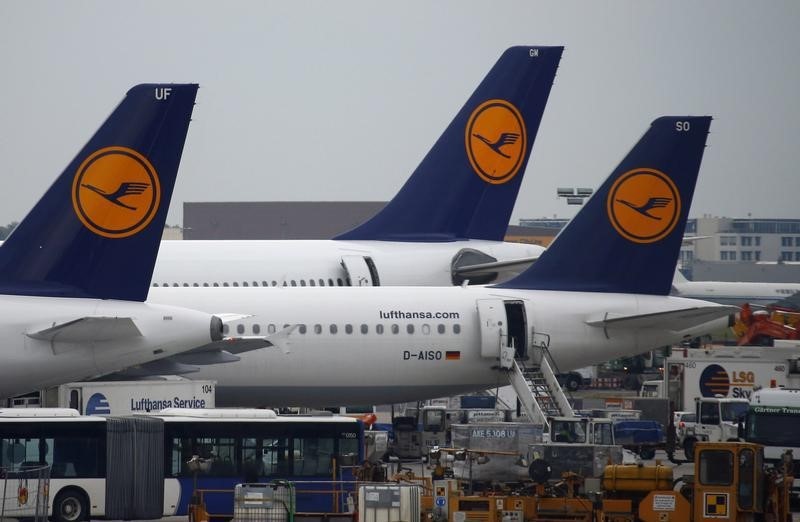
[(503, 330), (360, 271), (494, 332)]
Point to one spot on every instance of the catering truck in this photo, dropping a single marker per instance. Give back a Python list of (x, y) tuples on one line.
[(126, 397), (729, 372)]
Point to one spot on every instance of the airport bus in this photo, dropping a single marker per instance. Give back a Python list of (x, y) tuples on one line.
[(138, 467)]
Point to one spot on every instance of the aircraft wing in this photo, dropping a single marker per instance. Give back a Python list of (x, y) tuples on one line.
[(504, 269), (676, 320), (88, 329)]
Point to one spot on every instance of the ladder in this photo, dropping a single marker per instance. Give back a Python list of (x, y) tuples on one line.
[(536, 386)]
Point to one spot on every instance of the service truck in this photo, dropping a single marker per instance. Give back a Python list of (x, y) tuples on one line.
[(773, 419), (129, 397), (729, 372)]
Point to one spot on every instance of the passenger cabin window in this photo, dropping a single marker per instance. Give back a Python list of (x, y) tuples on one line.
[(225, 329), (440, 328), (186, 285), (456, 328), (321, 282), (225, 285), (271, 329), (256, 329), (216, 285), (339, 281), (195, 284), (302, 282), (311, 282), (240, 328), (410, 328), (236, 284), (364, 329), (274, 283), (379, 329), (426, 329), (317, 328), (395, 329), (348, 328), (330, 282), (334, 329), (302, 329), (205, 285), (294, 283), (244, 283)]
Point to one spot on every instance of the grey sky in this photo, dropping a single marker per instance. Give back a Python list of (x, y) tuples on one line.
[(341, 100)]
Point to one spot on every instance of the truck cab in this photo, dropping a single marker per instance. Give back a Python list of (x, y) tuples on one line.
[(581, 430), (717, 421)]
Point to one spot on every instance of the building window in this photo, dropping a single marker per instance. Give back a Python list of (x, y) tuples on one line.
[(747, 255), (727, 240), (786, 241), (757, 255), (786, 256), (757, 240), (747, 241), (723, 255), (797, 256)]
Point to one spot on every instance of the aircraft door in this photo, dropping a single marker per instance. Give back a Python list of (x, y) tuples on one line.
[(360, 271), (517, 328), (494, 333)]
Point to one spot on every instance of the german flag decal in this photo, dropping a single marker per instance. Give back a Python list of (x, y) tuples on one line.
[(452, 355)]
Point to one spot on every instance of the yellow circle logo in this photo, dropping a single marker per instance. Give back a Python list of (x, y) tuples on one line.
[(644, 205), (116, 192), (495, 140)]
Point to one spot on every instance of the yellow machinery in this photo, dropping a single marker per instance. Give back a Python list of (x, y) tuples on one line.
[(729, 485)]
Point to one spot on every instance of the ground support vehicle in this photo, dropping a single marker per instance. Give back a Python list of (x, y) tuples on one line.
[(148, 466), (717, 421), (729, 372), (729, 484)]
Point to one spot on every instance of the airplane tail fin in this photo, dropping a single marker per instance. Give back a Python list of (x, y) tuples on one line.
[(466, 186), (96, 231), (627, 237)]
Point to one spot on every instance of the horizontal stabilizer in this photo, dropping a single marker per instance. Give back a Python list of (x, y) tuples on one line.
[(514, 266), (88, 329), (160, 367), (674, 320), (205, 357)]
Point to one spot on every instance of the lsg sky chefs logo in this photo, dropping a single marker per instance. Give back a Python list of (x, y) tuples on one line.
[(644, 205), (116, 192), (495, 140)]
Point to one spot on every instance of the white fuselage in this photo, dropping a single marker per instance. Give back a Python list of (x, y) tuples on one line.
[(319, 262), (30, 364), (363, 361), (736, 293)]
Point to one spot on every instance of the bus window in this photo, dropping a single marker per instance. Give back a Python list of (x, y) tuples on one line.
[(312, 456)]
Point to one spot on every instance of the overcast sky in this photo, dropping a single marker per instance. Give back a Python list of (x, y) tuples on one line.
[(341, 100)]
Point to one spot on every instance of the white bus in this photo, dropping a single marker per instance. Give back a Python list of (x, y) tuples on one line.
[(136, 467)]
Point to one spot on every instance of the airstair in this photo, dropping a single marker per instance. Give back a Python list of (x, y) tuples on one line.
[(535, 383)]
